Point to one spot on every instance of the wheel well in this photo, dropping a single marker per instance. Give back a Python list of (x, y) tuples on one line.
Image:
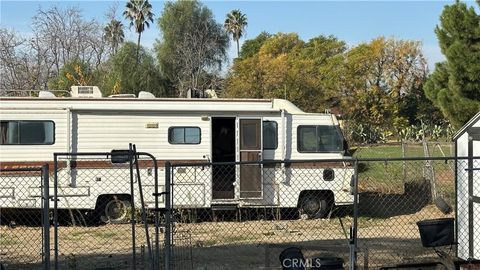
[(328, 194), (104, 198)]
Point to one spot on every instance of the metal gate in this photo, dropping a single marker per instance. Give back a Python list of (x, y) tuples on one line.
[(24, 234), (376, 227), (98, 200), (204, 231)]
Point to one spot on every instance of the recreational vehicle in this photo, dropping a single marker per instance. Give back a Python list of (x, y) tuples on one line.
[(176, 130)]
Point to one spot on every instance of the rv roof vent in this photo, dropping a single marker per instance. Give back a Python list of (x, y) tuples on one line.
[(85, 92), (146, 95), (46, 94), (122, 96)]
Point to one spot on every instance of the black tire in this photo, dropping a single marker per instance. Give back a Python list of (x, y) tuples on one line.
[(115, 211), (314, 206)]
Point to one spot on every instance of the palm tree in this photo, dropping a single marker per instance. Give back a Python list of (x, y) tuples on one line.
[(140, 14), (114, 34), (235, 24)]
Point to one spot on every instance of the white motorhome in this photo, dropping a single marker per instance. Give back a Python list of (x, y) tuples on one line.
[(178, 130)]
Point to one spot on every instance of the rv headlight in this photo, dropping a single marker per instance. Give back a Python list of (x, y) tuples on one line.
[(328, 174)]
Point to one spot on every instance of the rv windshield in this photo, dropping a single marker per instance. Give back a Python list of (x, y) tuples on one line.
[(320, 139)]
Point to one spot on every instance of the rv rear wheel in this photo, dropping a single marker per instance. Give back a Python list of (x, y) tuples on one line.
[(314, 206), (115, 211)]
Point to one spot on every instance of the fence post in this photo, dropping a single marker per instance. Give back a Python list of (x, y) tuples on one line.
[(353, 230), (132, 201), (46, 221), (404, 167), (55, 210), (168, 207)]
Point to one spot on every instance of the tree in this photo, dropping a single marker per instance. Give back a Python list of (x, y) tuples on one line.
[(122, 74), (235, 24), (14, 65), (192, 44), (75, 72), (114, 34), (378, 78), (252, 46), (59, 37), (140, 14), (284, 66), (66, 36), (454, 86)]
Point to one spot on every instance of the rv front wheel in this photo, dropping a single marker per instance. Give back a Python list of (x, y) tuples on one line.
[(314, 206), (115, 211)]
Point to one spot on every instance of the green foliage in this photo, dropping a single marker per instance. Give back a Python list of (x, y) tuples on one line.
[(192, 42), (121, 74), (361, 133), (75, 72), (419, 132), (376, 83), (367, 134), (284, 66), (454, 86), (381, 82), (252, 46), (417, 108)]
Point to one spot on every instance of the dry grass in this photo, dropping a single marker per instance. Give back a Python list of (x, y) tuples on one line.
[(213, 245)]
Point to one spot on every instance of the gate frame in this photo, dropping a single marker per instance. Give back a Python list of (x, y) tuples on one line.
[(133, 163)]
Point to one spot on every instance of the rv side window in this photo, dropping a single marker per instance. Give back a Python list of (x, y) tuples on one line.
[(319, 139), (184, 135), (270, 135), (27, 132)]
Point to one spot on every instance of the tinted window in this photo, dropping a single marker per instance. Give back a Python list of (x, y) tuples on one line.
[(184, 135), (27, 132), (319, 139), (270, 137)]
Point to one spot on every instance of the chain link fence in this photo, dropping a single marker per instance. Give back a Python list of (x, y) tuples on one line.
[(102, 211), (24, 218), (109, 214), (405, 150), (222, 223), (393, 196)]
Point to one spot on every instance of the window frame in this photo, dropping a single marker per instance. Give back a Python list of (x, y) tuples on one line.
[(276, 135), (31, 121), (316, 135), (184, 143)]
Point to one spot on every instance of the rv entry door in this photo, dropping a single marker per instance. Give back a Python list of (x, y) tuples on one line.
[(251, 151)]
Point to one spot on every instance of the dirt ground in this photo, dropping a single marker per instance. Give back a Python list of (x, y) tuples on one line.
[(223, 245)]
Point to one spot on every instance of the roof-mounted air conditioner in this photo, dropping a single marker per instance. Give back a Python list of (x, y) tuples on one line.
[(85, 92)]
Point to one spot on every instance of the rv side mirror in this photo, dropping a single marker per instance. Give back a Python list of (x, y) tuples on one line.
[(120, 156)]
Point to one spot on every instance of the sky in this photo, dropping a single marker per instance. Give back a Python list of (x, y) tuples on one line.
[(352, 21)]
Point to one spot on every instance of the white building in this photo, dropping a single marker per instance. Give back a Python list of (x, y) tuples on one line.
[(467, 144)]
